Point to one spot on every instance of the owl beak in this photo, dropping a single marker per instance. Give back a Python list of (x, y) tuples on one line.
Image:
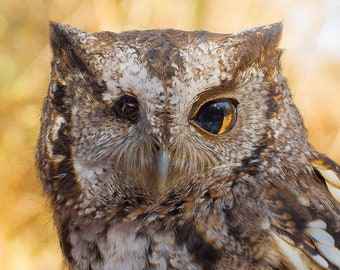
[(162, 167)]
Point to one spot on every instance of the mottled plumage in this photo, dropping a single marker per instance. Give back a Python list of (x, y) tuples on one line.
[(167, 149)]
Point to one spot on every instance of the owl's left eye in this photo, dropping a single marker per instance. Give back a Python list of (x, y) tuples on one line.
[(216, 116), (126, 108)]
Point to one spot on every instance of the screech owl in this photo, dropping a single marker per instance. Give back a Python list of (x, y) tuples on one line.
[(167, 149)]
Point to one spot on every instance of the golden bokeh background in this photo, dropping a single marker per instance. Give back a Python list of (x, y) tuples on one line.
[(311, 62)]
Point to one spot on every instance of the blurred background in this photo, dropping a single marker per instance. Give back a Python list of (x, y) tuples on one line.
[(311, 62)]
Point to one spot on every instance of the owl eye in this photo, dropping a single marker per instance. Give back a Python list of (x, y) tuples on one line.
[(217, 116), (126, 108)]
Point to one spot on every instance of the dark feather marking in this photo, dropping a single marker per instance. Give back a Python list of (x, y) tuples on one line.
[(65, 244), (273, 108), (251, 164), (204, 254), (96, 254), (320, 178)]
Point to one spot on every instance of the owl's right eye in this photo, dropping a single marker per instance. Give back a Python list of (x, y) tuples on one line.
[(126, 108), (216, 116)]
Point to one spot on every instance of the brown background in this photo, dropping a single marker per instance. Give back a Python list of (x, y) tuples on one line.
[(311, 63)]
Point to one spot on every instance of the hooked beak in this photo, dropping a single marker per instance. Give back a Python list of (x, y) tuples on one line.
[(162, 168)]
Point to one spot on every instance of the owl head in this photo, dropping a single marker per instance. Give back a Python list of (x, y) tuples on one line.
[(142, 112)]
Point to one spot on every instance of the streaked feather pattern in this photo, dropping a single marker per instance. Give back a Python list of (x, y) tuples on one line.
[(167, 149)]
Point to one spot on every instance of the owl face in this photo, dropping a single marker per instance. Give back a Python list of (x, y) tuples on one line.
[(148, 111), (182, 150)]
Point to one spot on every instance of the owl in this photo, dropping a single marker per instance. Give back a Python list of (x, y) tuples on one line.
[(168, 149)]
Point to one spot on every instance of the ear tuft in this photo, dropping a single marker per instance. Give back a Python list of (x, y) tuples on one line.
[(64, 37), (271, 34), (261, 46)]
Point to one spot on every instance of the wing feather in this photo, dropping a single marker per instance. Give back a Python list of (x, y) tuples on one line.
[(330, 174), (307, 234)]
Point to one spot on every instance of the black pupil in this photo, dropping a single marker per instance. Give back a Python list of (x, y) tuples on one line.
[(126, 108), (210, 116)]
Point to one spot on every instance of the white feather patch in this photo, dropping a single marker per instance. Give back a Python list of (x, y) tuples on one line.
[(320, 261), (291, 254), (334, 191), (332, 181), (324, 242), (331, 177), (320, 236), (331, 253), (317, 224)]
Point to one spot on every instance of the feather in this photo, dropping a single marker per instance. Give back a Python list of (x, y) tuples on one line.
[(330, 175)]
